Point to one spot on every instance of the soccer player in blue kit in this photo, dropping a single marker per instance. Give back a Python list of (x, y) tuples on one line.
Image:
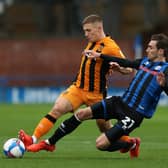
[(138, 102)]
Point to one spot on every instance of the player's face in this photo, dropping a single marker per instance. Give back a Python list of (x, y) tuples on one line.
[(152, 51), (92, 31)]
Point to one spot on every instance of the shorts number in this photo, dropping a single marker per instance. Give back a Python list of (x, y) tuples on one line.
[(127, 123)]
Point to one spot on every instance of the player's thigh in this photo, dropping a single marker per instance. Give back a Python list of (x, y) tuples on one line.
[(74, 96), (92, 98), (62, 105), (103, 125)]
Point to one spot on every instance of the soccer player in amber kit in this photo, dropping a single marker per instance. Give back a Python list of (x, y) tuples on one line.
[(90, 84)]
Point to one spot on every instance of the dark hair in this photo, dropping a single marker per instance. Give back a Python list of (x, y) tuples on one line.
[(92, 19), (162, 43)]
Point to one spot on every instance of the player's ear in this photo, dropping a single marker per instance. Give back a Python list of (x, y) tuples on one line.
[(100, 27), (160, 52)]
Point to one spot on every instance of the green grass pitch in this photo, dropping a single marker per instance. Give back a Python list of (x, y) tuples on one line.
[(77, 150)]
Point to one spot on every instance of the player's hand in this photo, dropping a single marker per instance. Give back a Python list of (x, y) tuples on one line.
[(91, 54), (115, 66), (161, 79)]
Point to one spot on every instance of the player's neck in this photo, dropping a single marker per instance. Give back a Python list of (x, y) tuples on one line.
[(102, 36), (159, 59)]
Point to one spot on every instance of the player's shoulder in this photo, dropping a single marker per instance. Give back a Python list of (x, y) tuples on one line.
[(109, 43), (109, 40), (111, 48)]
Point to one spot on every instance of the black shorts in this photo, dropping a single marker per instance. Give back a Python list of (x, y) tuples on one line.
[(115, 108)]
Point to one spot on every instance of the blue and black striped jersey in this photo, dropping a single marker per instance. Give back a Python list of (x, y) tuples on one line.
[(144, 91)]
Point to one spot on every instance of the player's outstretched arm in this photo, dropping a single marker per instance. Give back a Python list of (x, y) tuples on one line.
[(122, 62)]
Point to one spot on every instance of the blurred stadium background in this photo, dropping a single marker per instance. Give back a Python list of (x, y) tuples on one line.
[(41, 42)]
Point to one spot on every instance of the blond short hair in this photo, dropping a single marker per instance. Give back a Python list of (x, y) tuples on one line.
[(92, 19)]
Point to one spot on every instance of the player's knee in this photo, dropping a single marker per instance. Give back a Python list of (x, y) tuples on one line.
[(57, 110), (100, 145), (61, 106), (81, 114), (84, 114), (102, 142)]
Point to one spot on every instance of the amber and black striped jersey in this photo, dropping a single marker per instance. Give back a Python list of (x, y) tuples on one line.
[(92, 75)]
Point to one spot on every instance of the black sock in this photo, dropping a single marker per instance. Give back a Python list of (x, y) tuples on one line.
[(65, 128), (118, 145), (51, 118)]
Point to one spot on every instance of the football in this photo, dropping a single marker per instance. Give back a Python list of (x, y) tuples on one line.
[(14, 148)]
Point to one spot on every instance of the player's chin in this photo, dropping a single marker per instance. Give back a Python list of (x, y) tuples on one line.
[(91, 40)]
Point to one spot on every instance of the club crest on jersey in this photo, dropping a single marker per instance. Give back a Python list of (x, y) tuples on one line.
[(146, 63), (158, 68)]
